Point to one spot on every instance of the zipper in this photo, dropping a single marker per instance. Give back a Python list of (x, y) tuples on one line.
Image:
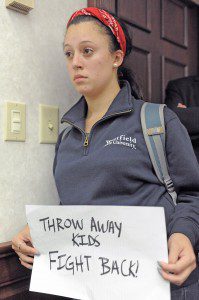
[(86, 142), (86, 139)]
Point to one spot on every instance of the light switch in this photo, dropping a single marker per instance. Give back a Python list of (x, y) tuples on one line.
[(48, 124), (14, 121)]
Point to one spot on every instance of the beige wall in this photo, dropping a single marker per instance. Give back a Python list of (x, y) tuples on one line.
[(32, 70)]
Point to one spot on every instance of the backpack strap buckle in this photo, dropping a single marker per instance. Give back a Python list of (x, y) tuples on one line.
[(155, 130)]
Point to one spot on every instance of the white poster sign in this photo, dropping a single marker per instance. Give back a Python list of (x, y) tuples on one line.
[(99, 252)]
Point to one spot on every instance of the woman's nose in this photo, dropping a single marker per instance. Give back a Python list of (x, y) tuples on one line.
[(77, 63)]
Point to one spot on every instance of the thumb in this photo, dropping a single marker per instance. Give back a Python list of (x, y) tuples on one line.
[(174, 251)]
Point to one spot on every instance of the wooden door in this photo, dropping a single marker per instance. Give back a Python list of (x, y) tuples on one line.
[(165, 40)]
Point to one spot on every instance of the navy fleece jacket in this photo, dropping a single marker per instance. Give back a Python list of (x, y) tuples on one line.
[(114, 167)]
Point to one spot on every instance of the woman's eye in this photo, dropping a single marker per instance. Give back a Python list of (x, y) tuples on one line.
[(68, 54), (88, 51)]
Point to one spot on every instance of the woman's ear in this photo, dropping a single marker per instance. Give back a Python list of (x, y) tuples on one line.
[(118, 58)]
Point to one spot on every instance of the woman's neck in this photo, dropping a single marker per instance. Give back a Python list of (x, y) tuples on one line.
[(99, 103)]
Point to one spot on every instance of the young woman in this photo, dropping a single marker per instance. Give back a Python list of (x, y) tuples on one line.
[(103, 160)]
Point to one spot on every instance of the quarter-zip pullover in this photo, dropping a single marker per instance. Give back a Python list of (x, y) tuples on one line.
[(111, 166)]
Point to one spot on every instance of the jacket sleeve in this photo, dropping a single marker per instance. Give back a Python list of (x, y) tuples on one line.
[(184, 171), (188, 116)]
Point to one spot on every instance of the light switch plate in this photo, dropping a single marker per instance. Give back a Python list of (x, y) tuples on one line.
[(48, 124), (15, 121)]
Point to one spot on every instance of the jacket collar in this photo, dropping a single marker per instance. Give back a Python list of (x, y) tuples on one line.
[(122, 102)]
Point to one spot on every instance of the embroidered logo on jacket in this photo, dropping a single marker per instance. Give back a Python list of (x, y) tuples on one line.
[(122, 140)]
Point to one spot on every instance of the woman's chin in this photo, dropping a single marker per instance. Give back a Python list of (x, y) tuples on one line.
[(83, 89)]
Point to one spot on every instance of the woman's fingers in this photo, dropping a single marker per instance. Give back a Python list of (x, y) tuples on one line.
[(182, 264), (178, 272), (25, 258), (22, 245), (176, 279), (24, 248), (26, 261), (182, 260), (26, 264)]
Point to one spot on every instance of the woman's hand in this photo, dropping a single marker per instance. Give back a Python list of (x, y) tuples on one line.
[(182, 259), (22, 245)]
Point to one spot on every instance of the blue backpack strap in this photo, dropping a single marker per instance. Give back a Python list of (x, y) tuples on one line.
[(152, 119), (60, 139)]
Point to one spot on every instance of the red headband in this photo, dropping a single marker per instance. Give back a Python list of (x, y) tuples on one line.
[(107, 19)]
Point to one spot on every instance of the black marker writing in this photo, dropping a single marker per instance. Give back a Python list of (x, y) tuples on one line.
[(108, 226), (124, 268), (57, 224), (79, 263), (83, 240), (52, 260)]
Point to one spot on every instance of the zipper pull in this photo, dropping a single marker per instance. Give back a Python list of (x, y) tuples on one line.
[(86, 141)]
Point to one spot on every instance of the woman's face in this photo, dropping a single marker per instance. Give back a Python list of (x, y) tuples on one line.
[(87, 54)]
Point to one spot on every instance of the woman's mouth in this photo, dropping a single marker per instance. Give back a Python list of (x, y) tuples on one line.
[(79, 78)]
